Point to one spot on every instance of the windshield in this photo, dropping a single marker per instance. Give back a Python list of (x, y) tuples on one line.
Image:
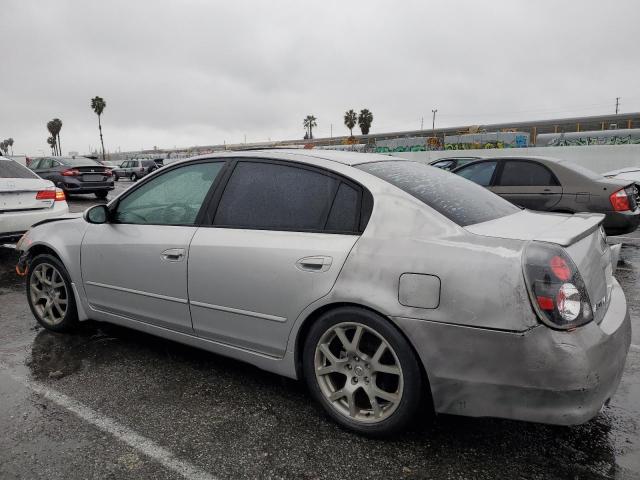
[(12, 169), (458, 199)]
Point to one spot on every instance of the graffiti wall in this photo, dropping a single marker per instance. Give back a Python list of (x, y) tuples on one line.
[(597, 137), (412, 144), (475, 141)]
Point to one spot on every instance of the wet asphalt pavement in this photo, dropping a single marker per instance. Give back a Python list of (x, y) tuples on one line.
[(108, 402)]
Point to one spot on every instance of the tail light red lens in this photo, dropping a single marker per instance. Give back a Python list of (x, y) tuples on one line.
[(56, 195), (108, 172), (71, 172), (46, 195), (558, 293), (620, 201)]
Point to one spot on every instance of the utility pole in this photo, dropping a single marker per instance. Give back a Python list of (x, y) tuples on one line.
[(617, 104), (332, 130), (433, 124), (422, 123)]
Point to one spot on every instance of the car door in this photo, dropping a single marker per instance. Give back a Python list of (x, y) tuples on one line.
[(527, 183), (135, 266), (280, 234)]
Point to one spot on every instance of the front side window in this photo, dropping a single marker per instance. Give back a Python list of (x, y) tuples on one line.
[(461, 201), (173, 198), (480, 173), (45, 163), (525, 174), (277, 197)]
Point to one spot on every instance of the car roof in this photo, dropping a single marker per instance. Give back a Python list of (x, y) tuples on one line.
[(342, 157)]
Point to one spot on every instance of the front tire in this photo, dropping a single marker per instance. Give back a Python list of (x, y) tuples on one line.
[(133, 177), (50, 294), (115, 177), (364, 373)]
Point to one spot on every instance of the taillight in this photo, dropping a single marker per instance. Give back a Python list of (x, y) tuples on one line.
[(56, 195), (71, 172), (556, 288), (620, 201), (108, 172)]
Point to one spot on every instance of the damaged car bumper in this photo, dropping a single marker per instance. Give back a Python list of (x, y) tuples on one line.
[(541, 375)]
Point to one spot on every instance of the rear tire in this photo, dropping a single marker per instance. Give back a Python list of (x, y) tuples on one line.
[(363, 372), (101, 195), (50, 294), (133, 177), (115, 177)]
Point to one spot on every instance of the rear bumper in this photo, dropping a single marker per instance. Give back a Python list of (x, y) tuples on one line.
[(76, 186), (15, 224), (619, 223), (541, 375)]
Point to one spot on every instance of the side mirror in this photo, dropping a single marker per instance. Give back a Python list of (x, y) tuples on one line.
[(97, 214)]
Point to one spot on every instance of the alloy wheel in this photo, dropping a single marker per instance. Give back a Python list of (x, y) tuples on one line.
[(49, 294), (358, 372)]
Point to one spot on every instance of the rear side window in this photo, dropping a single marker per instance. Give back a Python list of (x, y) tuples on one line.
[(480, 173), (12, 169), (461, 201), (526, 174), (343, 216), (277, 197)]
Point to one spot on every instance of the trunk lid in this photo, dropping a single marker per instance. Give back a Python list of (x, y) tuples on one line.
[(18, 194), (581, 236)]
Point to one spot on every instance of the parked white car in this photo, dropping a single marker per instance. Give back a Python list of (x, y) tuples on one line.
[(25, 199)]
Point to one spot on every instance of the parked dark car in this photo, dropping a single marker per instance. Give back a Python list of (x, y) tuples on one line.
[(554, 185), (135, 169), (75, 175), (451, 163)]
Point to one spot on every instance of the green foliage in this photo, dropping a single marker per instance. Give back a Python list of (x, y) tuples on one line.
[(350, 120), (365, 119), (309, 123)]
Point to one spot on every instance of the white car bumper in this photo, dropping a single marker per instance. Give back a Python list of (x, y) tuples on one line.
[(14, 224)]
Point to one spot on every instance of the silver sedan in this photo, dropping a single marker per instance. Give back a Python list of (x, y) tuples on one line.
[(389, 286)]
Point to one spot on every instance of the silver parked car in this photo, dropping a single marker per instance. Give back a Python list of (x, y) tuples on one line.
[(388, 285)]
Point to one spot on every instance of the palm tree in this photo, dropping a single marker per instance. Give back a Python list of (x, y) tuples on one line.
[(98, 105), (58, 126), (10, 143), (365, 119), (310, 123), (350, 120), (52, 143), (3, 146), (51, 126)]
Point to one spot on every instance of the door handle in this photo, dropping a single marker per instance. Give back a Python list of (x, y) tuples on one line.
[(173, 254), (319, 263)]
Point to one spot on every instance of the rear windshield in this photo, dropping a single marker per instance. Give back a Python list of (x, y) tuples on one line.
[(80, 162), (12, 169), (457, 198)]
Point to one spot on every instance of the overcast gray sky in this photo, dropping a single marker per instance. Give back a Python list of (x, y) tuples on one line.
[(195, 72)]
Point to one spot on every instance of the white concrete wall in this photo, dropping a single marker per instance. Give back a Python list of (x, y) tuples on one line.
[(599, 158)]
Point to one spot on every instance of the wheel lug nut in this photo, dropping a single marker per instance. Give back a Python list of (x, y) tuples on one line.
[(354, 380), (348, 366), (356, 359)]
